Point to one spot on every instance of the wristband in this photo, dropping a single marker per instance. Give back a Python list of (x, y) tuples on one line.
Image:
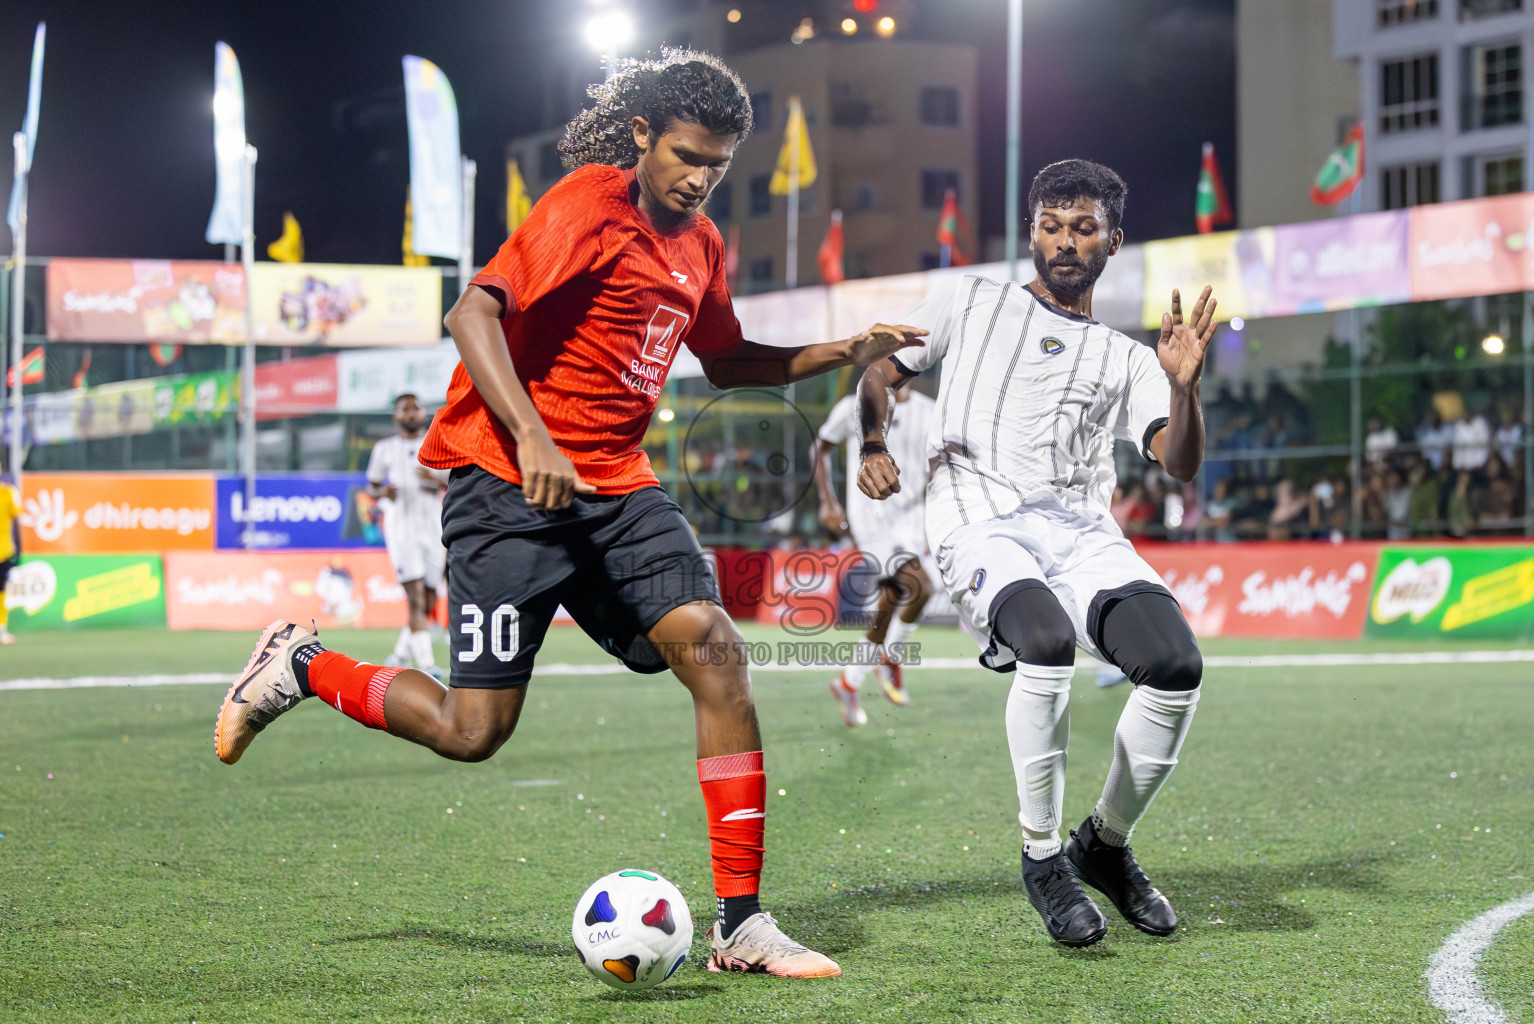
[(874, 448)]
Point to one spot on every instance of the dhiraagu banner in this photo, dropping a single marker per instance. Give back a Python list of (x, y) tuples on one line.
[(1475, 591), (86, 591)]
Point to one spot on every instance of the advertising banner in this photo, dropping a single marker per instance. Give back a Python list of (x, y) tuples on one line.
[(319, 511), (71, 513), (245, 590), (86, 591), (51, 416), (1271, 590), (1341, 263), (299, 387), (138, 301), (1238, 264), (1474, 591), (370, 381), (345, 305), (116, 410), (1475, 247), (195, 398)]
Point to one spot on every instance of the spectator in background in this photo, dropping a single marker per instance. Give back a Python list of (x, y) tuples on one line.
[(1423, 508), (1216, 524), (1380, 443), (1291, 513), (1472, 442), (1461, 510), (1251, 519), (1498, 504), (1509, 438), (1433, 440), (1397, 506), (1329, 509)]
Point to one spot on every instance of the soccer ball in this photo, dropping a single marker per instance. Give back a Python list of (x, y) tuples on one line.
[(632, 929)]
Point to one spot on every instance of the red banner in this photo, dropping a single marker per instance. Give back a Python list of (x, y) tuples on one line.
[(140, 301), (240, 590), (1268, 589), (300, 387), (1476, 247)]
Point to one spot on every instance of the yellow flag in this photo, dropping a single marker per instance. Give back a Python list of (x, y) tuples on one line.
[(518, 205), (795, 137), (290, 247), (412, 258)]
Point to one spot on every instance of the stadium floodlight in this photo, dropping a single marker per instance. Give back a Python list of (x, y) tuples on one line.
[(1493, 345), (667, 415), (609, 31), (849, 26), (886, 27), (1237, 323), (733, 16)]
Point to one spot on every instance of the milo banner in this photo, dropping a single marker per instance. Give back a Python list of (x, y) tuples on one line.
[(1475, 592), (86, 591)]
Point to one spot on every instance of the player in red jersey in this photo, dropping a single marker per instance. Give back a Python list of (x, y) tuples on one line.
[(566, 338)]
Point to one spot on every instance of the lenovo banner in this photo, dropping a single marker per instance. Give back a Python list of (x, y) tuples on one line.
[(319, 511), (1472, 591), (245, 590), (70, 513), (1267, 589)]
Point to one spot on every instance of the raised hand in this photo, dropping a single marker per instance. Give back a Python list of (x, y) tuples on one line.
[(1181, 346), (881, 340)]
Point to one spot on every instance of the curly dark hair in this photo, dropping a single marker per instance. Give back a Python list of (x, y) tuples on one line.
[(683, 85), (1064, 182)]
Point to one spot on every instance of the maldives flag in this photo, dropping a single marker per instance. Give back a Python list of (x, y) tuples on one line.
[(1212, 207), (32, 369), (1343, 170), (830, 256), (950, 228)]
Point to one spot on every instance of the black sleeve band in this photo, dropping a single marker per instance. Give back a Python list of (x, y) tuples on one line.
[(905, 371), (874, 448), (1150, 432)]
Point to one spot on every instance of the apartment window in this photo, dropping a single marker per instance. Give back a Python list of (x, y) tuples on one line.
[(760, 269), (1409, 185), (1487, 8), (851, 107), (1493, 86), (930, 261), (1402, 12), (865, 196), (550, 166), (761, 111), (934, 185), (940, 105), (1409, 94), (761, 196), (721, 201), (1500, 175)]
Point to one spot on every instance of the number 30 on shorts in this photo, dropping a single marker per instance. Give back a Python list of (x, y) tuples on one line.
[(504, 632)]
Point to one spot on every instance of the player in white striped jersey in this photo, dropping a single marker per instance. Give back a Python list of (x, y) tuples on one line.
[(410, 497), (1034, 393), (891, 536)]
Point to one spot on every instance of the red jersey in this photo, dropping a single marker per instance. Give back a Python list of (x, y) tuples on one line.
[(596, 302)]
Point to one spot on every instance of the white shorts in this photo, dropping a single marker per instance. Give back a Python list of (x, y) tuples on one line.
[(416, 554), (1085, 561)]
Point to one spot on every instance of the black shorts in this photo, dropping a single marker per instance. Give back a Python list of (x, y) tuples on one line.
[(618, 563)]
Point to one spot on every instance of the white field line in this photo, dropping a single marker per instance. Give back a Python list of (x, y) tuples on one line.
[(950, 664), (1451, 980)]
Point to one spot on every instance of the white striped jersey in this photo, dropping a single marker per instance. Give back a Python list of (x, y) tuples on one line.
[(1032, 398), (906, 438)]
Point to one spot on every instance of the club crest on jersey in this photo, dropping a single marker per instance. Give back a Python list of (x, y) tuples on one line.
[(665, 329), (1051, 345), (977, 581)]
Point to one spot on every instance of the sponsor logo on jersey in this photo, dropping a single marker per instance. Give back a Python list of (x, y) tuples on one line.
[(661, 336), (1051, 345), (977, 581)]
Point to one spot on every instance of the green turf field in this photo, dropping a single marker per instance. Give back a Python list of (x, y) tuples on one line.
[(1325, 833)]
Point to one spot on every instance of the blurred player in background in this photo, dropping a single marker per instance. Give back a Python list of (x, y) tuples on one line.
[(566, 338), (891, 534), (1034, 394), (410, 498), (10, 548)]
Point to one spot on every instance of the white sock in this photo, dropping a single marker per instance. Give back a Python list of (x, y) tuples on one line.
[(420, 649), (1038, 731), (856, 671), (1145, 745), (899, 631), (402, 645)]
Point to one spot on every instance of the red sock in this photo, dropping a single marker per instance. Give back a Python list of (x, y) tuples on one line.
[(735, 796), (354, 688)]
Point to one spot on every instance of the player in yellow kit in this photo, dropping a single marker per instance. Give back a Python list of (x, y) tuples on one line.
[(10, 547)]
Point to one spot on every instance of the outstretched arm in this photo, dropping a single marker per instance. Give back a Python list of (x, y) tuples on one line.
[(878, 476), (1179, 447), (749, 364), (832, 516)]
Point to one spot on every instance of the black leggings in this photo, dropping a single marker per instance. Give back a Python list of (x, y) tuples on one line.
[(1144, 634)]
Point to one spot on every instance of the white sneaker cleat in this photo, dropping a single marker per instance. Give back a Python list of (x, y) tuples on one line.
[(853, 714), (891, 680), (758, 946), (262, 691)]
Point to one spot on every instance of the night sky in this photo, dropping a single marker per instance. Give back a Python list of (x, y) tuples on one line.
[(124, 161)]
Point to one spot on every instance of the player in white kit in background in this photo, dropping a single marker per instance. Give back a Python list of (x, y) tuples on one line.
[(410, 497), (1034, 392), (890, 534)]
